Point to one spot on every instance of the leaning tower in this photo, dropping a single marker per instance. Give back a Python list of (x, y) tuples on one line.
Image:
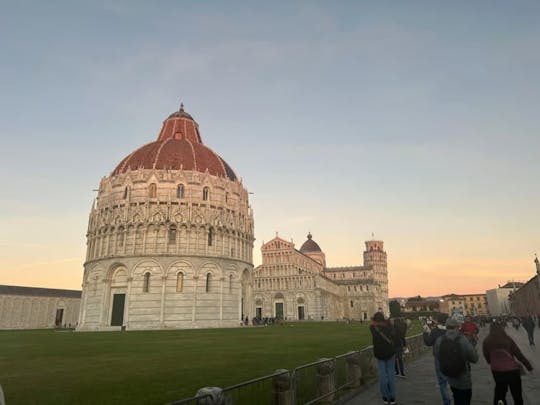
[(170, 238), (375, 258)]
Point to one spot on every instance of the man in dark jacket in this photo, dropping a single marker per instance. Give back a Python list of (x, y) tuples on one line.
[(528, 325), (383, 350), (430, 336)]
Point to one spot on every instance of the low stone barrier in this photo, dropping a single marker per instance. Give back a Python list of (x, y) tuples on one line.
[(328, 380)]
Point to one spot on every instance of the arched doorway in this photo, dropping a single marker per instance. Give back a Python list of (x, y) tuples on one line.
[(279, 306), (301, 308)]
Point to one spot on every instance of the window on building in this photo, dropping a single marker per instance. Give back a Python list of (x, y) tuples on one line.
[(208, 282), (172, 234), (205, 193), (120, 236), (226, 198), (126, 192), (180, 282), (152, 190), (146, 283), (180, 191), (230, 283), (352, 304), (210, 236)]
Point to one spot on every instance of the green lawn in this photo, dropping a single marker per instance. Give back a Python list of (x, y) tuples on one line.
[(50, 367)]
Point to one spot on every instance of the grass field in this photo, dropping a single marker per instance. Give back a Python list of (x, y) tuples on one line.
[(156, 367)]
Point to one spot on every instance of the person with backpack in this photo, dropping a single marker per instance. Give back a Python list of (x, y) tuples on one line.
[(501, 352), (430, 336), (383, 350), (455, 353)]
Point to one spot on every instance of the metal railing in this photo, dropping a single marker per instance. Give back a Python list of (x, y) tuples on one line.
[(196, 400), (324, 381), (262, 388)]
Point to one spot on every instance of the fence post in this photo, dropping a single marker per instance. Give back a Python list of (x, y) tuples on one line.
[(354, 369), (326, 382), (212, 396), (282, 388)]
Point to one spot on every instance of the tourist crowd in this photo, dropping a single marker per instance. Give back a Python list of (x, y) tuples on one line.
[(454, 350)]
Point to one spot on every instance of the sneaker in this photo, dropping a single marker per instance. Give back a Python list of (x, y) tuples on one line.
[(392, 402), (500, 402), (400, 375)]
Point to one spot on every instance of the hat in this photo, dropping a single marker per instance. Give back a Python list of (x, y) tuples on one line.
[(452, 323)]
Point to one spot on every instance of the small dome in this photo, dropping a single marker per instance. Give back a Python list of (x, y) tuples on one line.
[(178, 147), (310, 245)]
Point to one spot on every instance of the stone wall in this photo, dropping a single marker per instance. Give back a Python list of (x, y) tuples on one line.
[(37, 312)]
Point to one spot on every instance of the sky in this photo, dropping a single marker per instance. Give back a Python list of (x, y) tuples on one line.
[(416, 121)]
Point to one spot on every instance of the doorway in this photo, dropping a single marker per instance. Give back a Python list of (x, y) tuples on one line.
[(301, 313), (279, 310), (59, 317), (117, 317)]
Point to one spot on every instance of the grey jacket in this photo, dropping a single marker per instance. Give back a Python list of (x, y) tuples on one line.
[(463, 381)]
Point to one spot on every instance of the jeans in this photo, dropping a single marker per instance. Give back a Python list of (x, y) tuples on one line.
[(443, 384), (505, 379), (387, 383), (398, 366), (462, 397)]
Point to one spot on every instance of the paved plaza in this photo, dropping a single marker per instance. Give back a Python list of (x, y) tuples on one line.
[(420, 386)]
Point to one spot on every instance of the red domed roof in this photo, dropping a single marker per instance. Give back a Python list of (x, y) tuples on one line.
[(178, 147), (310, 245)]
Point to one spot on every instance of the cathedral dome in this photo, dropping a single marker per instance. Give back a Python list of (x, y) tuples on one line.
[(178, 147), (310, 245)]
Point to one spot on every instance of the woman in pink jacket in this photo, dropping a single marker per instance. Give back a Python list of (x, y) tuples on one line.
[(502, 353)]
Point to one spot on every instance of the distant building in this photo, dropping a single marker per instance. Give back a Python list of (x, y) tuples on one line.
[(38, 308), (526, 299), (452, 305), (296, 284), (498, 298), (475, 304), (419, 304)]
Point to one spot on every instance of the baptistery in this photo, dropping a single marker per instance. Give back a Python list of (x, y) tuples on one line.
[(170, 239)]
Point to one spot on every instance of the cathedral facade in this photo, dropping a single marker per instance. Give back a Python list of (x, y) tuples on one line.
[(296, 284), (170, 239)]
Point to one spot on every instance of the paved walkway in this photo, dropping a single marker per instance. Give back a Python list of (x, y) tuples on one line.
[(420, 386)]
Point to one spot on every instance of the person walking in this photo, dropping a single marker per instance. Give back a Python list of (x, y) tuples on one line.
[(430, 336), (400, 343), (383, 350), (455, 354), (470, 330), (501, 352), (528, 325)]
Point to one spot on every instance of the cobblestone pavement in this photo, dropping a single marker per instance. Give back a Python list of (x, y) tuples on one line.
[(420, 386)]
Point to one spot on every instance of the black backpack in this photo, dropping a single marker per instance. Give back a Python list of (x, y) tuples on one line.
[(451, 358)]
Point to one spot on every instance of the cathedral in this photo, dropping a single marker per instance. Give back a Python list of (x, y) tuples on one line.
[(296, 284), (170, 242)]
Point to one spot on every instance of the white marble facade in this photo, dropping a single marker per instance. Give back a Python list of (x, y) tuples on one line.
[(168, 247), (296, 284)]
